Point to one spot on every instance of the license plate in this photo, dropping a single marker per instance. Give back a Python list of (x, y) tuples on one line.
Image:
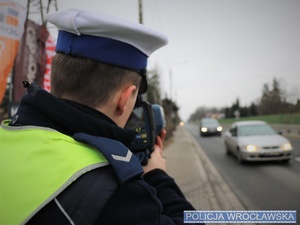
[(270, 154)]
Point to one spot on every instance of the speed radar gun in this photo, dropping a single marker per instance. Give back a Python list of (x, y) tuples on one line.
[(148, 120)]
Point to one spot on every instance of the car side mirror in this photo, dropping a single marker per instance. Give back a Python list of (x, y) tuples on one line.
[(233, 133)]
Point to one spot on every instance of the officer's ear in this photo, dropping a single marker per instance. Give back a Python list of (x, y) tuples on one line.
[(127, 98)]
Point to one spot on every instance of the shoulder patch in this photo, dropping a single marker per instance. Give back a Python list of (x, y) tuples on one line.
[(124, 163)]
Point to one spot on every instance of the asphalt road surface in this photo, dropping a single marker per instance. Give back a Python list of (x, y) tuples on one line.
[(259, 185)]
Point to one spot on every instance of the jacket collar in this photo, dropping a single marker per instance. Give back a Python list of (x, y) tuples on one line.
[(40, 108)]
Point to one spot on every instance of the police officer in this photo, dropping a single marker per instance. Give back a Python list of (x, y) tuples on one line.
[(63, 157)]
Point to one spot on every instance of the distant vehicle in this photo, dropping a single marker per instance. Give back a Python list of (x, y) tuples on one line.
[(256, 141), (210, 126)]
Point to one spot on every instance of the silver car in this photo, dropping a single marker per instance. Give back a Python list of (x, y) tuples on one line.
[(256, 141)]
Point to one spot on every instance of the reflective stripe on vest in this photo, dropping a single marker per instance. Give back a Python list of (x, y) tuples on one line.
[(36, 164)]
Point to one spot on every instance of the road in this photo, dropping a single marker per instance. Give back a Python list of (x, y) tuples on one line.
[(259, 185)]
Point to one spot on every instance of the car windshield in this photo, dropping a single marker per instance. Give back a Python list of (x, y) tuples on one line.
[(255, 129), (210, 122)]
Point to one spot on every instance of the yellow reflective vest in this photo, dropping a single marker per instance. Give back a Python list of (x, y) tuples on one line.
[(37, 164)]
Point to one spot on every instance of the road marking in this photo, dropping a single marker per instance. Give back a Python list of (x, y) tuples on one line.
[(297, 159)]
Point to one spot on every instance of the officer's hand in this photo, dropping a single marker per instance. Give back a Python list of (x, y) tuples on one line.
[(157, 161), (159, 139)]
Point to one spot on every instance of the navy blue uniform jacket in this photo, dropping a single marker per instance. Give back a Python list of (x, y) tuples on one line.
[(152, 199)]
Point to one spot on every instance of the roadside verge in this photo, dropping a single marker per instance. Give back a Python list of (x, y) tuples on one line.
[(199, 180)]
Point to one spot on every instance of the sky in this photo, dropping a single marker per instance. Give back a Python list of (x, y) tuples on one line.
[(219, 50)]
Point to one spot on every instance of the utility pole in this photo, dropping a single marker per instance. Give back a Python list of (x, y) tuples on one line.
[(171, 84), (140, 11), (145, 96), (37, 9)]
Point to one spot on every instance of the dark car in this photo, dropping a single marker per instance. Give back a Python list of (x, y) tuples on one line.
[(210, 126)]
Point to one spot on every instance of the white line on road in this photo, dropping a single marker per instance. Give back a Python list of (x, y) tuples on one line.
[(297, 159)]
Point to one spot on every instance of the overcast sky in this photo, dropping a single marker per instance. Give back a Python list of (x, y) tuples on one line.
[(219, 50)]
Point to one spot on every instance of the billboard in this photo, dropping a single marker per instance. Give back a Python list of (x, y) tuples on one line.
[(30, 63), (12, 19)]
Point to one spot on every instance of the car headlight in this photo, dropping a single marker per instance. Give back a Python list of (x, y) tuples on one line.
[(252, 148), (219, 129), (286, 146), (204, 129)]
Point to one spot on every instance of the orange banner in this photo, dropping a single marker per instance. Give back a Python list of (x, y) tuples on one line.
[(12, 19), (50, 51)]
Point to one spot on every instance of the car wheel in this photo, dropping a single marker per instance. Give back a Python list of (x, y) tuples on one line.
[(227, 150), (239, 157)]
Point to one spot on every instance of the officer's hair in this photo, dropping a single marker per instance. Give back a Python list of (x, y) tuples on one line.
[(90, 82)]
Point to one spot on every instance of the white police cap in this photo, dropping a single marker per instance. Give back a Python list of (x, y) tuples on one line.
[(110, 40)]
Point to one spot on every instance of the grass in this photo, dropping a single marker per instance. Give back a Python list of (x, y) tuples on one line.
[(293, 118)]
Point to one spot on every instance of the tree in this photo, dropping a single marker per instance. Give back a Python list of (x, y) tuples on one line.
[(276, 101), (231, 111), (154, 97), (171, 115), (252, 110), (272, 102), (198, 114), (153, 93)]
